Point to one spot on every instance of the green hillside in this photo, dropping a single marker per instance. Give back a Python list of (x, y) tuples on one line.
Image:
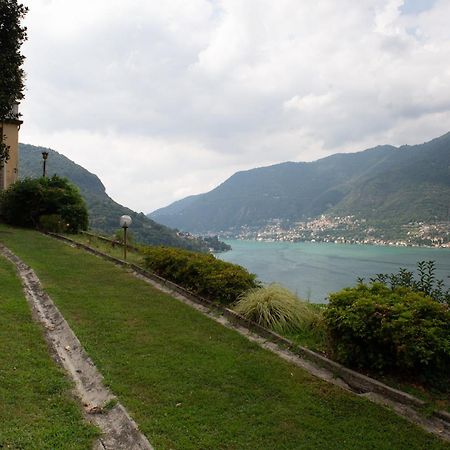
[(104, 212), (412, 184), (398, 184)]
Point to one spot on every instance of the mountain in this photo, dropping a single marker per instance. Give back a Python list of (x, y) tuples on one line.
[(384, 183), (104, 212)]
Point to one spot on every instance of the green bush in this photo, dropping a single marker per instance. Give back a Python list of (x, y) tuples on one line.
[(25, 202), (385, 329), (425, 282), (200, 273), (277, 308), (52, 222)]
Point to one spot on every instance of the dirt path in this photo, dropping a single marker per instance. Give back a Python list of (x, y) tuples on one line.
[(100, 405)]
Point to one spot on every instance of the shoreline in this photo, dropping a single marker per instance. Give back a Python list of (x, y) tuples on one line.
[(392, 244)]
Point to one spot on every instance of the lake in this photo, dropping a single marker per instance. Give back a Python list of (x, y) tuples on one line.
[(313, 270)]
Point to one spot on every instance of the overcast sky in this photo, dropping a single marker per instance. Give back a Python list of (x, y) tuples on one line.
[(163, 99)]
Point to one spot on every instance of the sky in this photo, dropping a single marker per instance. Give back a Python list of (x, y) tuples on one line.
[(165, 99)]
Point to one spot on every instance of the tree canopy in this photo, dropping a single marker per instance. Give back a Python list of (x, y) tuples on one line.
[(12, 75), (12, 36), (51, 204)]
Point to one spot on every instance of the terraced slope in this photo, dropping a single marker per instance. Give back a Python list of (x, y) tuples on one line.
[(191, 383)]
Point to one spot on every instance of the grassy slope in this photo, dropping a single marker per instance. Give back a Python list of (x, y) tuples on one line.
[(106, 247), (189, 382), (313, 339), (36, 407)]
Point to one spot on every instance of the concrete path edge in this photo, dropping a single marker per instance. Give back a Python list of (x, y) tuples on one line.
[(119, 431)]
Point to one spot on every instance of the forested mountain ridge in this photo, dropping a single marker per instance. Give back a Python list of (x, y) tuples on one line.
[(104, 212), (413, 184), (387, 183)]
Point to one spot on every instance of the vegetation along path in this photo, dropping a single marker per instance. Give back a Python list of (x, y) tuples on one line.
[(189, 382)]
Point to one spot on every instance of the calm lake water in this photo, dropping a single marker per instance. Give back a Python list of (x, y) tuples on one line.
[(313, 270)]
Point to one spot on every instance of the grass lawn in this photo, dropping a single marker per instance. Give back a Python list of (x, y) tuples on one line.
[(105, 247), (191, 383), (310, 338), (37, 409)]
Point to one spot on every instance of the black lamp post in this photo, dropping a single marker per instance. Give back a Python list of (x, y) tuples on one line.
[(125, 222), (44, 166)]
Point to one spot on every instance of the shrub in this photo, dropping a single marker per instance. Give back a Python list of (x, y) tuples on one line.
[(425, 282), (277, 308), (26, 201), (52, 222), (200, 273), (380, 328)]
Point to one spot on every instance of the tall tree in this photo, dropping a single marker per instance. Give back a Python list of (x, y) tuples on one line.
[(12, 75)]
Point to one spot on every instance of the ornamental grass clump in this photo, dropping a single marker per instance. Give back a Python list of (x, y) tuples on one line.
[(277, 308)]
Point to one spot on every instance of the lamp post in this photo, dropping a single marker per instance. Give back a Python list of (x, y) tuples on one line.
[(44, 166), (125, 222)]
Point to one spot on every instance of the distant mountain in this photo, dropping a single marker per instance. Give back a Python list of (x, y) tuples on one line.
[(104, 212), (384, 183)]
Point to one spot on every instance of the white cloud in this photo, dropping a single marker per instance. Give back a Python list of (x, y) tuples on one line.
[(386, 19), (310, 102), (166, 99)]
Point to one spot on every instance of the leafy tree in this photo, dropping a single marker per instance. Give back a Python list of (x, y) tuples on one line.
[(4, 149), (12, 75), (53, 204)]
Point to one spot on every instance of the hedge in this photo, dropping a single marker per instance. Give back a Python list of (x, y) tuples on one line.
[(200, 273), (375, 327)]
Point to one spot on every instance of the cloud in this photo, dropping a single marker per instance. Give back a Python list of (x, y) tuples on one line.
[(309, 103), (164, 100)]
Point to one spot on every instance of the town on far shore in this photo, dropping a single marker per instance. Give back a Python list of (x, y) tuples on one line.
[(347, 230)]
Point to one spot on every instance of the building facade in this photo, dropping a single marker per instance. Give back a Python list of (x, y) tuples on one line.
[(9, 171)]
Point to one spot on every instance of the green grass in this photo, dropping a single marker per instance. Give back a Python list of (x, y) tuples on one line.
[(37, 410), (193, 384), (435, 398), (105, 247), (313, 338)]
